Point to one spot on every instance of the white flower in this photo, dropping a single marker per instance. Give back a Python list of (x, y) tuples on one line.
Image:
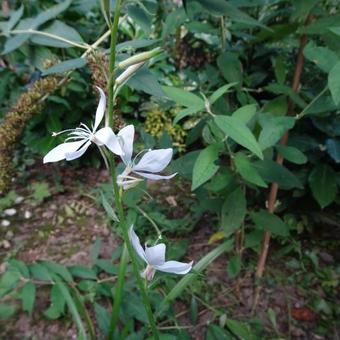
[(82, 137), (155, 258), (153, 161)]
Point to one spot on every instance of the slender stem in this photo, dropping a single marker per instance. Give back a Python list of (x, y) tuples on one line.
[(114, 30), (304, 111), (53, 36), (124, 228), (223, 34)]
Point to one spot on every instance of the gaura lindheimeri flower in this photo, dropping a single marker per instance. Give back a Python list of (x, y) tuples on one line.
[(151, 162), (155, 258), (81, 138)]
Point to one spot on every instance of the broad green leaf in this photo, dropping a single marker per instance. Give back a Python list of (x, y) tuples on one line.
[(277, 106), (184, 165), (239, 132), (172, 21), (322, 182), (272, 172), (59, 269), (186, 112), (292, 154), (33, 23), (333, 149), (279, 69), (220, 92), (135, 44), (60, 29), (231, 68), (144, 80), (83, 272), (323, 57), (248, 172), (57, 306), (334, 83), (335, 30), (8, 282), (39, 272), (28, 296), (65, 66), (205, 166), (269, 222), (215, 332), (183, 97), (302, 8), (273, 128), (320, 26), (102, 317), (6, 311), (20, 266), (108, 209), (72, 307), (222, 7), (141, 17), (240, 329), (233, 211), (234, 266), (288, 91), (14, 18), (245, 113), (201, 265)]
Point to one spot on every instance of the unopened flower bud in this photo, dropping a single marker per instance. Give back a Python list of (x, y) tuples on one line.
[(128, 73), (138, 58)]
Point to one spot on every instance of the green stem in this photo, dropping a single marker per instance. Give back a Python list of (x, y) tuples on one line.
[(142, 289), (114, 30)]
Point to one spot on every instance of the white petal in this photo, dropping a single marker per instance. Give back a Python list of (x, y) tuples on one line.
[(127, 135), (175, 267), (106, 136), (154, 161), (100, 109), (154, 177), (59, 152), (70, 156), (155, 255), (134, 239)]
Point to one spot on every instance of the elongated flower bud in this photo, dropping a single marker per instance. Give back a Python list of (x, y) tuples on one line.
[(140, 57), (128, 73)]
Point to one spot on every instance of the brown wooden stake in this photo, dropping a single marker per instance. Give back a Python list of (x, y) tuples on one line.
[(279, 160)]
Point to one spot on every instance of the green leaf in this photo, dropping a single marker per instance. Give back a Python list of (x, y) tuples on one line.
[(239, 132), (186, 112), (108, 209), (6, 311), (230, 67), (58, 269), (335, 30), (172, 21), (14, 18), (144, 80), (33, 23), (107, 266), (323, 57), (320, 26), (272, 172), (234, 266), (8, 282), (279, 69), (245, 113), (333, 149), (39, 272), (240, 329), (292, 154), (28, 296), (141, 17), (135, 44), (334, 83), (40, 191), (183, 97), (233, 211), (273, 129), (72, 307), (103, 318), (322, 182), (60, 29), (269, 222), (57, 306), (202, 264), (65, 66), (248, 171), (205, 166), (220, 92), (19, 266), (83, 272)]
